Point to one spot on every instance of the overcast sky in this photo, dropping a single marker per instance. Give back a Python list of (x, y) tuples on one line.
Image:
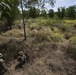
[(62, 3)]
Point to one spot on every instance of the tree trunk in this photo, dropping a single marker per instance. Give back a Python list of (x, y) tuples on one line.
[(23, 21)]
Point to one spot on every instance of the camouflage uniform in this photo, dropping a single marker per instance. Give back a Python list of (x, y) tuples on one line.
[(3, 67), (21, 60)]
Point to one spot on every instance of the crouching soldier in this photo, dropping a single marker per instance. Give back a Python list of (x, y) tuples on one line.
[(3, 67), (21, 60)]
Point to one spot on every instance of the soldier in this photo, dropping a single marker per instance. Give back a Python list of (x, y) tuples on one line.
[(21, 60), (3, 67)]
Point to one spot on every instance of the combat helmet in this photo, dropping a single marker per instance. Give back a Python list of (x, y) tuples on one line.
[(21, 53)]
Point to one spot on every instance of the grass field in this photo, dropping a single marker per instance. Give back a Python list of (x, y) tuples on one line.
[(50, 47)]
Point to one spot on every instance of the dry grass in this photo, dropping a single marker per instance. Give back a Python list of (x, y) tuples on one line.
[(72, 48), (68, 35), (44, 48), (13, 33)]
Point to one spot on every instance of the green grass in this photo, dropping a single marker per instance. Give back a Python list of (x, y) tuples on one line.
[(70, 21)]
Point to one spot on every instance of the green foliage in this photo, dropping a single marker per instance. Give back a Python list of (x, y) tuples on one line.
[(39, 3), (4, 6), (71, 12), (33, 12), (61, 13), (51, 13), (43, 14), (9, 14), (58, 13)]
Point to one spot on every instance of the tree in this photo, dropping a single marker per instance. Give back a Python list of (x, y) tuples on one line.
[(71, 11), (43, 13), (9, 15), (3, 5), (62, 12), (33, 3), (51, 13), (59, 14), (33, 13), (26, 13), (23, 19)]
